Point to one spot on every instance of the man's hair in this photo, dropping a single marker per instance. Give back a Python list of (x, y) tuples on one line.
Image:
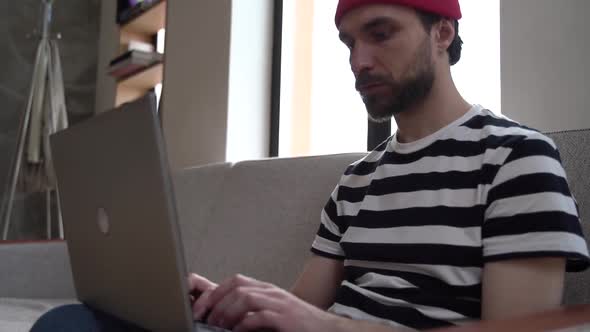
[(429, 19)]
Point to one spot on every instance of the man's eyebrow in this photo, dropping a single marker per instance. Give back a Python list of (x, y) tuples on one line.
[(374, 23), (378, 21)]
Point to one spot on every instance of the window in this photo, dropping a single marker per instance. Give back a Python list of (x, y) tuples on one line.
[(160, 43), (322, 113), (477, 75)]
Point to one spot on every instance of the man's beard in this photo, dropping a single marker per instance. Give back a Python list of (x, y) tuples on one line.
[(405, 93)]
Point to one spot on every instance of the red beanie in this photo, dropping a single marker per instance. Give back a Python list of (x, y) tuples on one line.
[(445, 8)]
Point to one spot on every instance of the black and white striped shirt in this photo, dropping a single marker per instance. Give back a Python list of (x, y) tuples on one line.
[(415, 223)]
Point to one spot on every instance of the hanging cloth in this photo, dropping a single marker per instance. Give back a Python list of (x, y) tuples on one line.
[(48, 116)]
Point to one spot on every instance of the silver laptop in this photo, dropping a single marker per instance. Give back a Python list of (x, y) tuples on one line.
[(120, 218)]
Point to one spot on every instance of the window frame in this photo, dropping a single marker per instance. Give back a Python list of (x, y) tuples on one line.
[(376, 132)]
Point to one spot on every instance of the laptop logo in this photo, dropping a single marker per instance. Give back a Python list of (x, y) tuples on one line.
[(103, 221)]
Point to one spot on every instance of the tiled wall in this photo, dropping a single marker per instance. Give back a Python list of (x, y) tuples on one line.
[(78, 23)]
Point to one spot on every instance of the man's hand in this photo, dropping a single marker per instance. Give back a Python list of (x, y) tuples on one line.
[(244, 304), (200, 289)]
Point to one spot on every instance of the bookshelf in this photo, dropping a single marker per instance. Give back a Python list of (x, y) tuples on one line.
[(141, 26), (195, 73)]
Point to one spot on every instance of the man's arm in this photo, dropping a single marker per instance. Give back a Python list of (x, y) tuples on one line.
[(522, 286), (319, 281), (509, 289)]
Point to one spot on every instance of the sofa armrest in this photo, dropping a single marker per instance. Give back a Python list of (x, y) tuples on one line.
[(35, 270)]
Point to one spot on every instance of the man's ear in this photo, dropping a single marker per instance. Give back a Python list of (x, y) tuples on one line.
[(444, 35)]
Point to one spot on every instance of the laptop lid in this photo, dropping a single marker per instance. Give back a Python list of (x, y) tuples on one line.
[(120, 218)]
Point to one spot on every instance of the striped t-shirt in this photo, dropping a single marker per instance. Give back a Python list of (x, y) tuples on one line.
[(416, 222)]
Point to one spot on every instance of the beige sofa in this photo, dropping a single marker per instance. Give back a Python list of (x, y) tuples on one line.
[(254, 217)]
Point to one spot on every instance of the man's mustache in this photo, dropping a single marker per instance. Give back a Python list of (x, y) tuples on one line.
[(366, 78)]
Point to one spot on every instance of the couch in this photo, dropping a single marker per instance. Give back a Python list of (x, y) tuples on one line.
[(253, 217)]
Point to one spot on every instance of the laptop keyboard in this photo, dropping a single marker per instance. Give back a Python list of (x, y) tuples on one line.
[(200, 327)]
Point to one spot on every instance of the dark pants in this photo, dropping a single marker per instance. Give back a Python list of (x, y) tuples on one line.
[(80, 318)]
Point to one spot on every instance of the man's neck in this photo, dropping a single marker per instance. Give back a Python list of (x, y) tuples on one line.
[(443, 106)]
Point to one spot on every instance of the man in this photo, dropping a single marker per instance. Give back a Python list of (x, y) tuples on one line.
[(461, 215)]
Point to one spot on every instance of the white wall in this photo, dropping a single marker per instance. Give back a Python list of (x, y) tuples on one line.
[(248, 126), (216, 90), (545, 47), (477, 74), (195, 86)]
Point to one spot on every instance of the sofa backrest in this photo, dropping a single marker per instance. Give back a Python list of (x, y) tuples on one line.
[(574, 148), (257, 218)]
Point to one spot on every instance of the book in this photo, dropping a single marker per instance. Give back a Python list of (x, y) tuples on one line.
[(127, 10), (140, 46), (132, 62)]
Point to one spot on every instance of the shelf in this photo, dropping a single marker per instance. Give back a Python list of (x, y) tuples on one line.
[(126, 95), (147, 24), (142, 27), (126, 35), (145, 79)]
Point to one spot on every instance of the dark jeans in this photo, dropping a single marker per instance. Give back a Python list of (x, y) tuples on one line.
[(80, 318)]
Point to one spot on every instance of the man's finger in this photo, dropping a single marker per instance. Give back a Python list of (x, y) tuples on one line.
[(232, 309), (228, 285), (202, 305), (198, 283)]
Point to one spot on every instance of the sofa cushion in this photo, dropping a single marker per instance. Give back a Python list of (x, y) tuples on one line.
[(19, 315), (38, 269), (196, 190)]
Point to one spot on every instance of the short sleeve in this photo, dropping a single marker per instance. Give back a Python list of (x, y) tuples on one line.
[(530, 211), (329, 234)]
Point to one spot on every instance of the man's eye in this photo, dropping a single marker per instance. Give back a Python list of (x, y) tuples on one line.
[(381, 35), (349, 43)]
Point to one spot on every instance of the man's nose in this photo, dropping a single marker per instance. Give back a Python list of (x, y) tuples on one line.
[(361, 59)]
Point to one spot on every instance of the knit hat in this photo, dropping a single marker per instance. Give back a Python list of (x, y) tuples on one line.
[(445, 8)]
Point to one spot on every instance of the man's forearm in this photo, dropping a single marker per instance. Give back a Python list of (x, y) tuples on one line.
[(319, 281)]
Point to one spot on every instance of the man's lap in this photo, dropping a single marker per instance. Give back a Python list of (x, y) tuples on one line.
[(80, 318)]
